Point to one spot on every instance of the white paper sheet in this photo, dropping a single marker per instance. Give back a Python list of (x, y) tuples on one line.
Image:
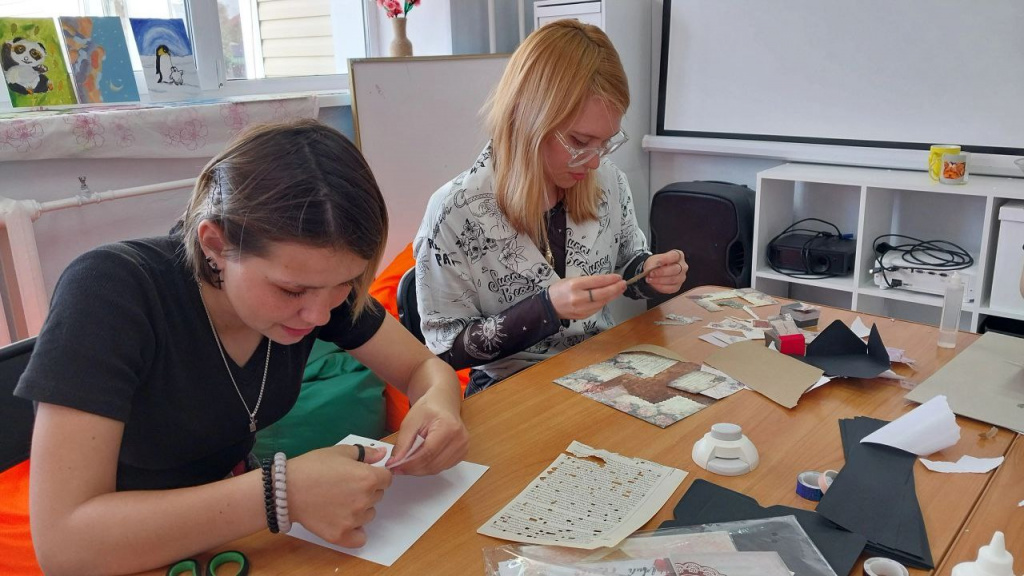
[(859, 328), (411, 505), (924, 430), (586, 499), (966, 464)]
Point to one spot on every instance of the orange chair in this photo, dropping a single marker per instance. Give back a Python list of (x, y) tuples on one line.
[(385, 290), (17, 416)]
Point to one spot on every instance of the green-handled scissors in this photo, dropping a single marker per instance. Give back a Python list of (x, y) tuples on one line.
[(190, 566)]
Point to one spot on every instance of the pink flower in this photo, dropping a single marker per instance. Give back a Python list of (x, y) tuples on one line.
[(393, 7), (24, 136), (88, 131)]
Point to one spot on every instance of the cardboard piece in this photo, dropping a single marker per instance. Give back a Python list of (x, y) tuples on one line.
[(707, 503), (777, 376), (839, 352), (992, 366), (874, 495)]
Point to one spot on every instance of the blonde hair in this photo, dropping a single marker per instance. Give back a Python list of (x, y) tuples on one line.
[(546, 84), (298, 182)]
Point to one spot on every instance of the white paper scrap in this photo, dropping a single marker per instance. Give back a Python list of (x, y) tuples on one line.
[(711, 339), (890, 375), (859, 328), (964, 464), (410, 506), (821, 382), (926, 429), (416, 443), (586, 499)]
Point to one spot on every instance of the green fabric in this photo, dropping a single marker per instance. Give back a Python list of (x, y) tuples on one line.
[(339, 397)]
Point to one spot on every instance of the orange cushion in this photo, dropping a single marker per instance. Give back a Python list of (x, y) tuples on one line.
[(18, 556), (385, 290)]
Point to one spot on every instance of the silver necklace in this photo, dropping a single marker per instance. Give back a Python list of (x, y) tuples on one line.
[(220, 348)]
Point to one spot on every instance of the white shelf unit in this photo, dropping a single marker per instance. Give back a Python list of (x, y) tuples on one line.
[(869, 202)]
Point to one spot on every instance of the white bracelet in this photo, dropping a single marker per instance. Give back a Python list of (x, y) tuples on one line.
[(284, 524)]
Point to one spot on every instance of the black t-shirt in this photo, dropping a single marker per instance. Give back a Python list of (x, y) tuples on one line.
[(127, 338)]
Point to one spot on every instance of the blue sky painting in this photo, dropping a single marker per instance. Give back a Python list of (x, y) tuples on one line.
[(167, 60), (101, 67), (150, 33)]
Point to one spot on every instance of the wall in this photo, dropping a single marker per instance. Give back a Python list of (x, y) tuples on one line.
[(429, 29), (63, 235)]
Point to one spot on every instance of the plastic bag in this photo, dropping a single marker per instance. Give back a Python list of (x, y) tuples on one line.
[(762, 547)]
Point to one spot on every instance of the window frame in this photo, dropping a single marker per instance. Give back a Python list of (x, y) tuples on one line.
[(206, 41)]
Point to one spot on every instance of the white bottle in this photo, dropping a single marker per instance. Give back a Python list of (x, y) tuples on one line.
[(951, 304), (993, 560)]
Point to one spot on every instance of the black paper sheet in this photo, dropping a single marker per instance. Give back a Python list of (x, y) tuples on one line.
[(874, 495)]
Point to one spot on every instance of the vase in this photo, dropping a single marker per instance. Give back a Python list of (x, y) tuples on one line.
[(400, 44)]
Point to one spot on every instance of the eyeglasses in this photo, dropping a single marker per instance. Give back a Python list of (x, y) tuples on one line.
[(580, 156)]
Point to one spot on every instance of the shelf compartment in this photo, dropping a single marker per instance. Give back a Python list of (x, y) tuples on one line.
[(811, 291), (912, 310), (781, 203), (841, 283)]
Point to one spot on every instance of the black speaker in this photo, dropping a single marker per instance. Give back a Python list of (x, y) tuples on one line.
[(713, 224)]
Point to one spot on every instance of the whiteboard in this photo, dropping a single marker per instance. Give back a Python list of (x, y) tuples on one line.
[(867, 73), (418, 124)]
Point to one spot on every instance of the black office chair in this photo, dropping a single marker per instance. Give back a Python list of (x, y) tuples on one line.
[(408, 313), (16, 414)]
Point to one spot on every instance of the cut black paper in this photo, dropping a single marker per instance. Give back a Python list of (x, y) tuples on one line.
[(874, 495), (839, 352)]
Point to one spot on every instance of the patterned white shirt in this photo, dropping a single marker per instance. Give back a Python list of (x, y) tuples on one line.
[(472, 265)]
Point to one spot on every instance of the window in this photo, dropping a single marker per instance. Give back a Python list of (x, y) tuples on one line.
[(243, 46)]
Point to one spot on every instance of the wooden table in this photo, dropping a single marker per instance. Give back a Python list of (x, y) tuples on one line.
[(521, 425), (998, 510)]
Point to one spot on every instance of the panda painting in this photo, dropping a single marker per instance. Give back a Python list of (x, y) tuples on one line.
[(24, 68)]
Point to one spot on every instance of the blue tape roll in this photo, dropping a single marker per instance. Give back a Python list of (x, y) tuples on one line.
[(807, 486)]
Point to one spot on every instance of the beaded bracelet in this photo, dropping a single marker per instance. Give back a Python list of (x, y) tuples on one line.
[(268, 495), (284, 523)]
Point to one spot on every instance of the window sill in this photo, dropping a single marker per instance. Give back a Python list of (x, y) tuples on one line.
[(196, 129)]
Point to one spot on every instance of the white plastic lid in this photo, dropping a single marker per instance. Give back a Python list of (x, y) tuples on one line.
[(726, 431)]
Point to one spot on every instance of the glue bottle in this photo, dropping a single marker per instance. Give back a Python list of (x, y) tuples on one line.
[(993, 560), (951, 304)]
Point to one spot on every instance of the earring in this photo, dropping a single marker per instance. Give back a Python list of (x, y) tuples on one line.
[(216, 270)]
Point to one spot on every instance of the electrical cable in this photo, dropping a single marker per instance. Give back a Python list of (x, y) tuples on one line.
[(932, 254)]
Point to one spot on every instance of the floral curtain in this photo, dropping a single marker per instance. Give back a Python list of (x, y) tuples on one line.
[(180, 130)]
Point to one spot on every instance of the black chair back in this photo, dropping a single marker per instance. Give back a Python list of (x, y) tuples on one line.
[(408, 313), (16, 414)]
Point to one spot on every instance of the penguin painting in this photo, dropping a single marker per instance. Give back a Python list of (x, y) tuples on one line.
[(163, 54)]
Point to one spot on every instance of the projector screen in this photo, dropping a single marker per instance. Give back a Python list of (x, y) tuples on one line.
[(881, 73)]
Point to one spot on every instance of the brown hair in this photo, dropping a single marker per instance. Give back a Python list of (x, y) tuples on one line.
[(546, 83), (298, 182)]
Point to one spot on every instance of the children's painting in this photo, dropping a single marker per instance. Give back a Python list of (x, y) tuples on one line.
[(34, 66), (98, 54), (167, 58)]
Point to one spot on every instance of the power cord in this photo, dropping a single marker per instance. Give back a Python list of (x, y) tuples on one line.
[(805, 250), (935, 254)]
